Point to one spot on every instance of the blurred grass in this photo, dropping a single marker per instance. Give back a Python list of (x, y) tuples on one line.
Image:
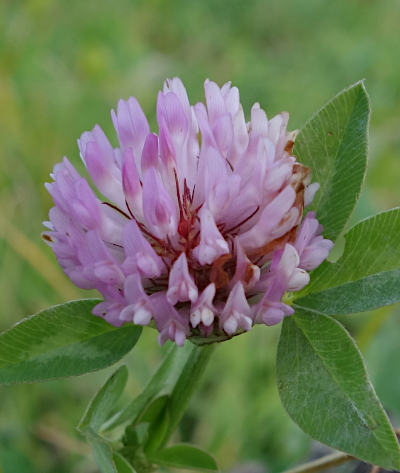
[(63, 65)]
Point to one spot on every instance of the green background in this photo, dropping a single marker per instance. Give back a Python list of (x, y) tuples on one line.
[(63, 66)]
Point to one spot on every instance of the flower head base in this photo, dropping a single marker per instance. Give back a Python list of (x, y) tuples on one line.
[(196, 221)]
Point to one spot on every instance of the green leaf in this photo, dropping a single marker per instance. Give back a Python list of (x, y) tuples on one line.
[(324, 387), (122, 464), (64, 340), (154, 409), (365, 277), (102, 452), (157, 432), (333, 143), (161, 382), (185, 456), (104, 400), (133, 443), (157, 414), (177, 378), (186, 385), (96, 414), (150, 427)]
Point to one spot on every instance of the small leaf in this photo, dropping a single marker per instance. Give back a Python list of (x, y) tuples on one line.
[(154, 409), (185, 456), (161, 382), (149, 429), (157, 414), (133, 442), (102, 452), (96, 414), (365, 277), (157, 432), (324, 387), (104, 400), (65, 340), (122, 464), (186, 384), (333, 143)]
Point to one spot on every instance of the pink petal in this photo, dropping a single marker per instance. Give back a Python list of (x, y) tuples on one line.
[(212, 244), (140, 256), (139, 310), (150, 153), (267, 228), (131, 185), (160, 211), (236, 313), (203, 311), (181, 286), (131, 126), (106, 178)]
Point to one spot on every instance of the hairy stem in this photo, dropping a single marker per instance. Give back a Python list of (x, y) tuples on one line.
[(187, 384), (328, 461), (323, 463)]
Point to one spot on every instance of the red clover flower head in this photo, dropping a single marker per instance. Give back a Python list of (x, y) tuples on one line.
[(200, 229)]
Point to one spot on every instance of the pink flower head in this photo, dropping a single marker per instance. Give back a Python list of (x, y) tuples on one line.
[(196, 222)]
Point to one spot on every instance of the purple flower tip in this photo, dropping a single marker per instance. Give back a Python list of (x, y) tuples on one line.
[(196, 221)]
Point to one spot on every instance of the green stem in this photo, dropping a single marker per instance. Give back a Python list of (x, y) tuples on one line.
[(167, 374), (186, 385), (323, 463)]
